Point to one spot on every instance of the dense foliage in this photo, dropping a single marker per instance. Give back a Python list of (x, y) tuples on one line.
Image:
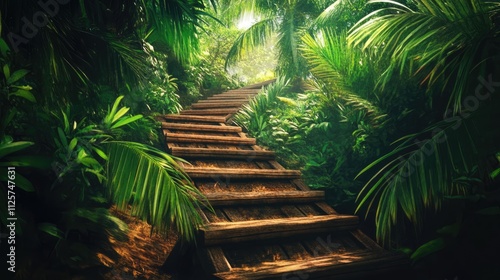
[(388, 105), (80, 84), (401, 97)]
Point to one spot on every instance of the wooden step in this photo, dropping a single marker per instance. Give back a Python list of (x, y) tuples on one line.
[(229, 97), (242, 90), (195, 118), (248, 155), (236, 173), (221, 104), (201, 127), (232, 232), (251, 198), (235, 100), (214, 111), (350, 265), (197, 138)]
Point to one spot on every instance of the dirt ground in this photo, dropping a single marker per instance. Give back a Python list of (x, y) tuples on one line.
[(141, 255)]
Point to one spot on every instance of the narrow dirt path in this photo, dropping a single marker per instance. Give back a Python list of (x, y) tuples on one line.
[(267, 223)]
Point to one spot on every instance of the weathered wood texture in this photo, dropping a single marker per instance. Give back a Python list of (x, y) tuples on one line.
[(235, 173), (246, 198), (231, 232), (263, 222), (248, 155), (196, 138)]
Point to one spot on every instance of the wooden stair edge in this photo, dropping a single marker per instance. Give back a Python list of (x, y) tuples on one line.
[(236, 173), (218, 105), (248, 155), (249, 198), (201, 127), (369, 263), (232, 232), (211, 112), (196, 118), (199, 138)]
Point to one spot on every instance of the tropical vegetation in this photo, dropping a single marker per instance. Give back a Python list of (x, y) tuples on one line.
[(403, 93), (389, 106)]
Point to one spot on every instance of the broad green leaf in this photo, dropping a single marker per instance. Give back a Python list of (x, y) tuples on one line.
[(120, 114), (14, 147), (100, 153), (17, 75), (24, 94), (4, 48), (89, 162), (127, 120), (428, 248), (6, 71), (25, 87), (62, 138), (494, 174), (72, 144)]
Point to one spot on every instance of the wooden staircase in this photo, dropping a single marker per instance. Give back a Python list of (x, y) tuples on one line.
[(267, 223)]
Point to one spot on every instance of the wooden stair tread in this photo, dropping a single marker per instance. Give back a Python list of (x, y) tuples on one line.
[(231, 232), (196, 118), (237, 173), (221, 104), (249, 198), (231, 100), (198, 138), (357, 264), (231, 97), (214, 111), (222, 153), (201, 127)]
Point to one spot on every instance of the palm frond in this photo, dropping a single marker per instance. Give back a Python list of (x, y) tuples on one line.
[(443, 41), (338, 66), (257, 35), (424, 169), (154, 185)]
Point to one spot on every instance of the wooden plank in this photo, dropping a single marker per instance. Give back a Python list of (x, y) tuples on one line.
[(326, 208), (197, 138), (249, 155), (341, 266), (201, 127), (242, 90), (219, 259), (249, 198), (222, 104), (230, 232), (213, 260), (236, 173), (365, 240), (231, 97), (300, 184), (195, 118), (235, 100), (215, 111)]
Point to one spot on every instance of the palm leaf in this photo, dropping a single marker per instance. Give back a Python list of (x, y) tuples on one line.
[(419, 174), (257, 35), (154, 185), (443, 42)]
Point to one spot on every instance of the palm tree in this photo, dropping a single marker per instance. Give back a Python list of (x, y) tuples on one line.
[(452, 47), (288, 20)]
